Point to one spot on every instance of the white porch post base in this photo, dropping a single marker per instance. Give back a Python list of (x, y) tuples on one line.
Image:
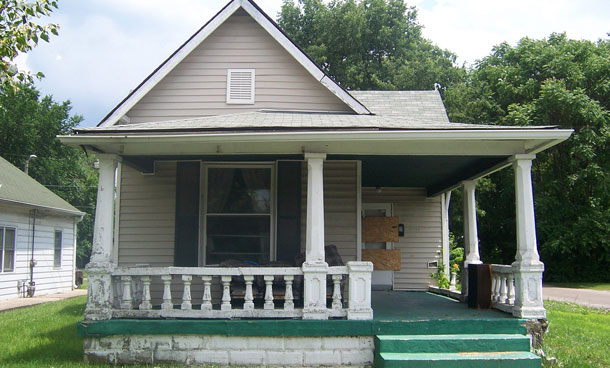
[(314, 293), (360, 290), (528, 291), (99, 291)]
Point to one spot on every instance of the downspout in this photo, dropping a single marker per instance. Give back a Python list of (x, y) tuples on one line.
[(32, 285)]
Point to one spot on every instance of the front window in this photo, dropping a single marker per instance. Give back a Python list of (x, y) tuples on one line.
[(237, 215), (7, 249)]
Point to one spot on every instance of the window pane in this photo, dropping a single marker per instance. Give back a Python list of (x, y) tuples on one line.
[(239, 190), (245, 238), (9, 249), (57, 250)]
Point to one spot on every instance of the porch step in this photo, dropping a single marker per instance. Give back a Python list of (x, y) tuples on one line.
[(455, 350), (451, 343), (457, 360)]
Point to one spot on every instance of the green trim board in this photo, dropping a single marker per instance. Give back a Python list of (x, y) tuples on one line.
[(296, 327)]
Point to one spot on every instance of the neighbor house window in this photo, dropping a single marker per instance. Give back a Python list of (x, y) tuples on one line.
[(7, 250), (238, 213), (57, 249)]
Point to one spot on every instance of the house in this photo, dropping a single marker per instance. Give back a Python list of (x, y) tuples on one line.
[(230, 175), (37, 237)]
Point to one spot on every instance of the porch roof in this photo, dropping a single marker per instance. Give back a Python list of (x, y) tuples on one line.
[(266, 120)]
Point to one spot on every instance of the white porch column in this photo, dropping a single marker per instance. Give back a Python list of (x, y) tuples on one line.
[(471, 236), (100, 267), (315, 268), (527, 266)]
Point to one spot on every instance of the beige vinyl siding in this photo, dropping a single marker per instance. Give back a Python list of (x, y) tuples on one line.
[(423, 237), (340, 207), (147, 216), (197, 86)]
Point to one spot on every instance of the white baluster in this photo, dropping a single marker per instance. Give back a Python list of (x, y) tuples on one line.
[(145, 305), (206, 300), (226, 293), (495, 295), (337, 305), (186, 294), (248, 298), (511, 289), (268, 292), (288, 297), (126, 298), (167, 292), (503, 291)]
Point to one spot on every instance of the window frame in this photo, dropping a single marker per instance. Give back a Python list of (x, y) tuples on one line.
[(203, 213), (3, 248), (56, 259)]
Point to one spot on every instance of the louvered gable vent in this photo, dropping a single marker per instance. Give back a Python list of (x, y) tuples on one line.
[(240, 86)]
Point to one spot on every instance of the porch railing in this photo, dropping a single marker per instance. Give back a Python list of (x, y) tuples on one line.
[(502, 287), (222, 292)]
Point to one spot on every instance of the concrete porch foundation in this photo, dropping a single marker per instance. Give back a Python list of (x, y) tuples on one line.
[(287, 342)]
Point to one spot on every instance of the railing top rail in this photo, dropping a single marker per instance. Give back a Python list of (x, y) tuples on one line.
[(207, 271), (337, 270), (498, 268)]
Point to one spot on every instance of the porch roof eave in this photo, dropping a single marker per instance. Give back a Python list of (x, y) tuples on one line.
[(496, 142)]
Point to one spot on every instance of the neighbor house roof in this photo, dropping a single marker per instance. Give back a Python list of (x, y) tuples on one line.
[(19, 188)]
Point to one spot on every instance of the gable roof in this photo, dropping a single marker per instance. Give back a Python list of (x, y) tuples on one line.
[(196, 39), (19, 188)]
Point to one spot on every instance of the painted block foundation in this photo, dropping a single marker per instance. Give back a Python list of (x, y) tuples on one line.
[(337, 351)]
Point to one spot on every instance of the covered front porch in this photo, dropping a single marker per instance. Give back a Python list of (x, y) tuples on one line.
[(140, 271)]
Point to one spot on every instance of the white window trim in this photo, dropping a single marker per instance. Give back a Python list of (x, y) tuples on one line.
[(3, 248), (249, 101), (203, 208), (61, 248)]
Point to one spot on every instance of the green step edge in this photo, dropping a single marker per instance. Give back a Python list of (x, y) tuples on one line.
[(470, 360), (451, 343), (298, 327)]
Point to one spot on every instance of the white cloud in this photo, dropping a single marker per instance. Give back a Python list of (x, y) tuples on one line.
[(471, 28)]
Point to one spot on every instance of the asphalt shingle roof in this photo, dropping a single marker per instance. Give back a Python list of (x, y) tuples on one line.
[(421, 105), (18, 187), (392, 110)]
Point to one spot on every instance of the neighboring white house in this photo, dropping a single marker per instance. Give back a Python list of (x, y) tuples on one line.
[(37, 228)]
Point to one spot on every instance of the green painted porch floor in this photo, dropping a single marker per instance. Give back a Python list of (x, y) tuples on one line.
[(395, 313)]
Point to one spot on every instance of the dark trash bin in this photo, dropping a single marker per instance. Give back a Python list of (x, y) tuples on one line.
[(479, 286)]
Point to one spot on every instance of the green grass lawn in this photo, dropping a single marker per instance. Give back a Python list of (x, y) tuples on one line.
[(582, 285), (578, 336), (45, 335)]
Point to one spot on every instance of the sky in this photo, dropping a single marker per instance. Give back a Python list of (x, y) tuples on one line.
[(105, 48)]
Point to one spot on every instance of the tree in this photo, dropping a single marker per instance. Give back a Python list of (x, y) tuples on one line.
[(29, 125), (19, 33), (372, 44), (561, 82)]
